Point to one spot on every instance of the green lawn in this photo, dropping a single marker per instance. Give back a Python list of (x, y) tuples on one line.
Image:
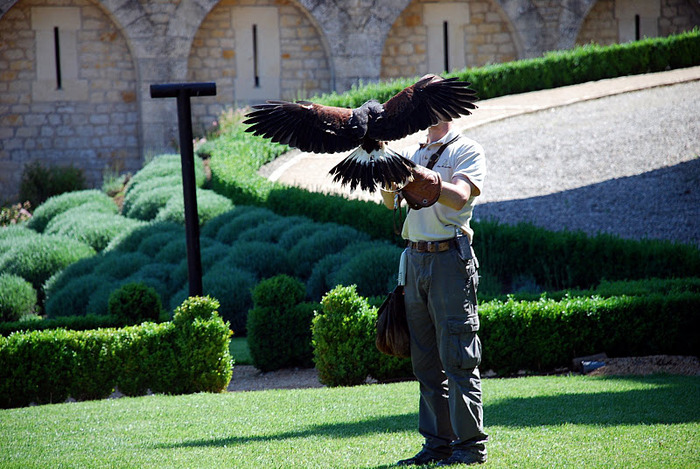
[(563, 421)]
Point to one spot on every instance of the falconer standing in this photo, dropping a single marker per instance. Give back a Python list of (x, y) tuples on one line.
[(440, 295)]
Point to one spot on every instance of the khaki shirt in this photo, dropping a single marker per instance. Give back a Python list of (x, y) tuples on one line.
[(438, 222)]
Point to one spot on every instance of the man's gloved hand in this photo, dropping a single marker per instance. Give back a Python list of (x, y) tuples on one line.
[(424, 189)]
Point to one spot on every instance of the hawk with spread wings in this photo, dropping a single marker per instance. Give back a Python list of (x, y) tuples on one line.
[(326, 129)]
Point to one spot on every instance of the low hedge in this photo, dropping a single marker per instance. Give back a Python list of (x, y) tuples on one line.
[(512, 256), (581, 64), (517, 335), (564, 259), (189, 354), (546, 334)]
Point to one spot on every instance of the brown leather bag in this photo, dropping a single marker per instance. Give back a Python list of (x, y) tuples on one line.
[(393, 337)]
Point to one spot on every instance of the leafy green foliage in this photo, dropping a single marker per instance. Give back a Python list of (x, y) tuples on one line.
[(209, 205), (145, 204), (566, 260), (546, 334), (39, 183), (37, 258), (187, 355), (202, 347), (17, 297), (343, 338), (328, 239), (133, 303), (98, 202), (279, 325), (94, 228)]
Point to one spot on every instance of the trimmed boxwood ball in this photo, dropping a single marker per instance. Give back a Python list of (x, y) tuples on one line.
[(72, 299), (134, 303), (279, 325), (209, 205), (374, 270), (271, 231), (17, 298), (263, 259), (37, 259), (134, 192), (250, 218), (330, 240), (130, 241), (232, 287), (58, 204), (96, 229), (148, 203)]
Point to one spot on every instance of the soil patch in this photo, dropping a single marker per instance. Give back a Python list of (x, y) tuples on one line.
[(249, 378)]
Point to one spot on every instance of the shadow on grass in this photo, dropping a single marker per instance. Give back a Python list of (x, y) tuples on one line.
[(388, 424), (672, 400), (669, 400)]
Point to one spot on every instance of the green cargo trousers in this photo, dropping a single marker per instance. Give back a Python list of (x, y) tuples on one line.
[(440, 296)]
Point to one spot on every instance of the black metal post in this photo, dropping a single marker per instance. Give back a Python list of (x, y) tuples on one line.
[(183, 92)]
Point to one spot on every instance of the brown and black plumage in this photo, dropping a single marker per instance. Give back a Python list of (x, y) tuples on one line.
[(325, 129)]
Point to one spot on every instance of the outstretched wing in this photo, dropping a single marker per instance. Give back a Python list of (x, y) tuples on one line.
[(306, 126), (430, 100)]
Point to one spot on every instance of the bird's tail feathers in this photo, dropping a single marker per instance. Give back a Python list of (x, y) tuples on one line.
[(366, 170)]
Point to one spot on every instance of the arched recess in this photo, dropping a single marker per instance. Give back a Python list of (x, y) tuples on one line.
[(356, 32), (272, 50), (430, 37), (69, 91)]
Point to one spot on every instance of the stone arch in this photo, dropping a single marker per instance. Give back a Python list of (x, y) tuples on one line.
[(304, 62), (356, 34), (528, 24), (571, 19), (486, 36)]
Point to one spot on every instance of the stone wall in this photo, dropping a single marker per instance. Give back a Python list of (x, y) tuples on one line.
[(486, 38), (103, 117), (92, 121), (302, 58), (602, 24)]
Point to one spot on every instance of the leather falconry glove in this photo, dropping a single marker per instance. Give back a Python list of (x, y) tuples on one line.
[(424, 189)]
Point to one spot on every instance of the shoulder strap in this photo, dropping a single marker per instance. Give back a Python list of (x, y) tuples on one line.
[(433, 159)]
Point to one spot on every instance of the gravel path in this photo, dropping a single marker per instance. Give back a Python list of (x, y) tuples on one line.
[(625, 164)]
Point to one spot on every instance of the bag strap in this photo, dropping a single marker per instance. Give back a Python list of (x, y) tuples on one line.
[(431, 162), (436, 156)]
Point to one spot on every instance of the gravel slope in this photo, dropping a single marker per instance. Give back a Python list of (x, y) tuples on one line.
[(625, 164)]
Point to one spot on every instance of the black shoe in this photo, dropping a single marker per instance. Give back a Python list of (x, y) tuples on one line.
[(463, 457), (423, 458)]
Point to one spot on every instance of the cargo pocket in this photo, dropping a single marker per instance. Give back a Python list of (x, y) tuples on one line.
[(464, 349)]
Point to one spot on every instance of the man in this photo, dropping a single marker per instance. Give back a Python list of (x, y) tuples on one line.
[(440, 295)]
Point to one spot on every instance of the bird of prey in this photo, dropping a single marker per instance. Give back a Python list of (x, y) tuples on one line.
[(317, 128)]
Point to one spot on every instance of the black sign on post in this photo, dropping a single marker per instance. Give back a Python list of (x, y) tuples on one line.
[(183, 92)]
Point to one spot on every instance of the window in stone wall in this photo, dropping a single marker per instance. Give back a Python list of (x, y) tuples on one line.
[(637, 19), (445, 23), (257, 52), (56, 35)]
